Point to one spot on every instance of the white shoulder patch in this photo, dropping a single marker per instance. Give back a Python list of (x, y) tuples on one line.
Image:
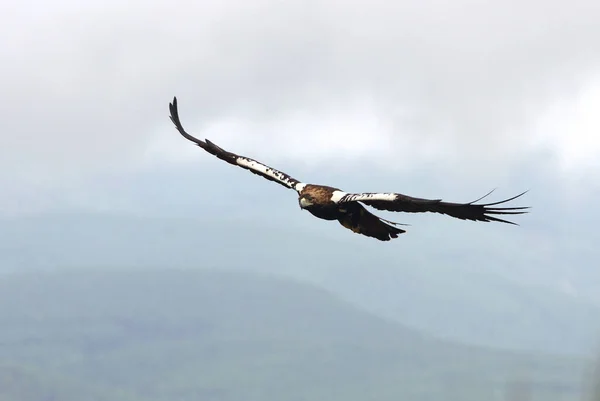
[(299, 186), (337, 196)]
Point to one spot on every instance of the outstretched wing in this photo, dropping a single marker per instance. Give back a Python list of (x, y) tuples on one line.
[(252, 165), (465, 211)]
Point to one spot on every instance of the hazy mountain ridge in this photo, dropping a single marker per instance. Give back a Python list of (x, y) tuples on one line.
[(448, 294), (158, 334)]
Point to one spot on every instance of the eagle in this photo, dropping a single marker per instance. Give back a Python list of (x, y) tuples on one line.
[(329, 203)]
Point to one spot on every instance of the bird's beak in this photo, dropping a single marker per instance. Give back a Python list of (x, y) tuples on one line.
[(304, 203)]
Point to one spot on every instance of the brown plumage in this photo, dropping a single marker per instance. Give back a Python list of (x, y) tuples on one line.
[(329, 203)]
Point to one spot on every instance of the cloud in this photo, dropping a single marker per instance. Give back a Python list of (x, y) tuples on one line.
[(572, 125), (391, 83)]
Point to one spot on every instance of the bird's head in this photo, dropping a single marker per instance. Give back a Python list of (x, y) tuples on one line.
[(306, 201)]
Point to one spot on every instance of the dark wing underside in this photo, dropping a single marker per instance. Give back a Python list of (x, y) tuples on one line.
[(465, 211), (251, 165), (358, 219)]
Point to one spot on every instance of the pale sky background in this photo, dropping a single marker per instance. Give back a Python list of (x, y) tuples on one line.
[(464, 83), (432, 98), (494, 94)]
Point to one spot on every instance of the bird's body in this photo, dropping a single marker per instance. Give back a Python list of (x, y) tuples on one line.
[(320, 201), (316, 199), (329, 203)]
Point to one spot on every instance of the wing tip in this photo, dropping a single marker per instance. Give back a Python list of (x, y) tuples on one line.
[(488, 211), (502, 201), (174, 116)]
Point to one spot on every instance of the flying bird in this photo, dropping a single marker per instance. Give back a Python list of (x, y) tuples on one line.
[(331, 203)]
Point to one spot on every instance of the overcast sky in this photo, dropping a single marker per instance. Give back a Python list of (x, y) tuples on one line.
[(463, 86)]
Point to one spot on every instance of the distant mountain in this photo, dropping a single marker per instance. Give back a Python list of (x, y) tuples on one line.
[(450, 294), (227, 335)]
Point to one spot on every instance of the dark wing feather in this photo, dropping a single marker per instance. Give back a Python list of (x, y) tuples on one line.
[(251, 165), (358, 219), (465, 211)]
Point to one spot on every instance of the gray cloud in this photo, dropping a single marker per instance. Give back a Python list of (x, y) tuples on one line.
[(88, 84)]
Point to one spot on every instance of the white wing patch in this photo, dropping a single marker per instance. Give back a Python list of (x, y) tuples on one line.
[(382, 196), (267, 171)]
